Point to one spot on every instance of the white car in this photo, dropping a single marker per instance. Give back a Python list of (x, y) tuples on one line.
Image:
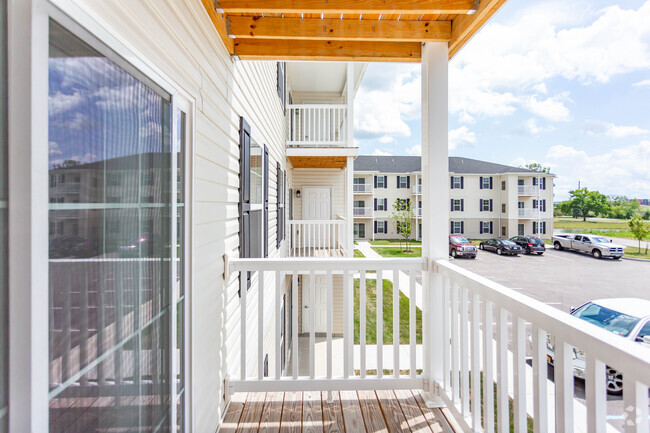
[(627, 317)]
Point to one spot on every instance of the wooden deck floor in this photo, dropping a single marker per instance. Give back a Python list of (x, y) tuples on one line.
[(350, 412)]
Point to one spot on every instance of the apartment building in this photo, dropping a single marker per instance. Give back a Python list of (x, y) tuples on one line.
[(487, 200)]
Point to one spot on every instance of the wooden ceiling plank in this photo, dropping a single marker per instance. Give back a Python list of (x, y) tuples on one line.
[(219, 21), (463, 27), (337, 29), (348, 6), (295, 49)]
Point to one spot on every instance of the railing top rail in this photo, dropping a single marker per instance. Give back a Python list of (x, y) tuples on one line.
[(308, 106), (323, 222), (624, 355), (308, 264)]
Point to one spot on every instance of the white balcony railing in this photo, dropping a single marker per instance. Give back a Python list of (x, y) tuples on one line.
[(528, 213), (418, 212), (312, 238), (362, 188), (417, 189), (362, 211), (483, 333), (317, 125), (528, 190)]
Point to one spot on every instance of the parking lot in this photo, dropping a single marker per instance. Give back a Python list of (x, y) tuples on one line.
[(563, 279)]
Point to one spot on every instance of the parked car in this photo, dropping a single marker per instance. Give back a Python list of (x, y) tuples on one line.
[(627, 317), (597, 246), (501, 246), (530, 244), (461, 247)]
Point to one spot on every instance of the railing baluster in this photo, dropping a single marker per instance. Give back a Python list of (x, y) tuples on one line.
[(488, 368), (540, 377), (346, 329), (312, 323), (380, 325), (635, 402), (278, 324), (519, 355), (294, 326), (596, 395), (260, 326), (476, 364), (563, 377), (455, 345), (396, 326), (330, 301), (349, 300), (445, 334), (242, 319), (362, 323), (464, 353), (502, 372), (412, 324)]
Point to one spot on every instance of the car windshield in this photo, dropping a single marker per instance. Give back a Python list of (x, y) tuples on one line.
[(459, 240), (599, 239), (618, 323), (508, 243), (536, 241)]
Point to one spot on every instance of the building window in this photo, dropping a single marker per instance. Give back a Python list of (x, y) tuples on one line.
[(403, 182), (381, 204), (457, 205), (485, 182), (503, 185), (503, 208), (485, 205), (381, 227), (380, 181), (147, 178), (457, 182), (457, 227), (503, 231), (360, 230), (521, 205), (486, 227)]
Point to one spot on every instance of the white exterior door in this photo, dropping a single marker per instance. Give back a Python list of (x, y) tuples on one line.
[(316, 205), (318, 308)]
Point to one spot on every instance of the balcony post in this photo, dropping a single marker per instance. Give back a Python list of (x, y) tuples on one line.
[(435, 206), (349, 239)]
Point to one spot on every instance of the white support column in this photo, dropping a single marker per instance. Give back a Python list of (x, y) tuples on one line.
[(435, 200), (350, 164), (28, 215), (348, 206)]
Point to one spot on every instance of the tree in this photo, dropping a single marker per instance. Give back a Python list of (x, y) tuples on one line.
[(587, 202), (401, 218), (639, 228), (536, 166)]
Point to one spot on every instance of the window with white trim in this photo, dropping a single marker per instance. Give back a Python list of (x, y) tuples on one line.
[(457, 227), (457, 205), (403, 182), (485, 205), (486, 182), (485, 226), (380, 181), (457, 182), (382, 227)]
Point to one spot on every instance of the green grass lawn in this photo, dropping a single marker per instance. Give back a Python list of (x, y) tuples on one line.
[(397, 252), (395, 242), (634, 252), (358, 254), (578, 223), (371, 314)]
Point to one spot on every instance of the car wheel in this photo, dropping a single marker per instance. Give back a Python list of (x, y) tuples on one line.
[(597, 254), (499, 252), (481, 246), (453, 253), (614, 382), (558, 246)]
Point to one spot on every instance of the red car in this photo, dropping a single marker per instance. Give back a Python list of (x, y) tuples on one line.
[(461, 247)]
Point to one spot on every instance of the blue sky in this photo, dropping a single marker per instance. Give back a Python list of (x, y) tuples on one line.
[(566, 84)]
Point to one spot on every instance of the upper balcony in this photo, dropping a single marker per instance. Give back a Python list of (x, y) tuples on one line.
[(321, 125), (527, 190), (525, 213), (362, 188), (417, 189)]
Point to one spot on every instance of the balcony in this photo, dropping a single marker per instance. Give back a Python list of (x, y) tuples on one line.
[(488, 351), (362, 212), (362, 188), (528, 213), (525, 190), (317, 125), (314, 238), (417, 189), (418, 212)]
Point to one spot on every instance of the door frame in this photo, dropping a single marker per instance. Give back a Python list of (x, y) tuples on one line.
[(304, 195)]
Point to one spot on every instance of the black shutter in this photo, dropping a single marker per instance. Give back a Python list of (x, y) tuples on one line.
[(462, 205), (491, 205), (385, 204), (480, 182), (244, 197), (543, 183), (534, 181), (265, 180), (534, 227), (491, 228), (462, 227), (385, 182), (279, 235), (452, 204), (480, 227), (480, 205), (282, 83), (462, 182), (408, 181), (397, 182), (375, 204), (451, 182), (375, 226), (490, 182), (544, 227), (534, 204), (375, 178), (284, 205), (451, 230)]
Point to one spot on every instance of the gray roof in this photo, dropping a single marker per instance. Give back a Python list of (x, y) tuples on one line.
[(410, 164)]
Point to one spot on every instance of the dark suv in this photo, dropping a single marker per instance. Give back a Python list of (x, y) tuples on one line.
[(530, 244)]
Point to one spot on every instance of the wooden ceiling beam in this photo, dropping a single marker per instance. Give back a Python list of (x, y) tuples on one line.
[(338, 29), (219, 21), (463, 27), (346, 6), (343, 51)]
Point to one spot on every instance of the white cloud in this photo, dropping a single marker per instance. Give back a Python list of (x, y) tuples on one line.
[(530, 127), (379, 152), (596, 128), (54, 149), (644, 83), (60, 103), (621, 171), (540, 88), (465, 117), (460, 136), (415, 150), (386, 139), (552, 109)]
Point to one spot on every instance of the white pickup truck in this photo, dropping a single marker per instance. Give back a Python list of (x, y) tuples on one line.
[(597, 246)]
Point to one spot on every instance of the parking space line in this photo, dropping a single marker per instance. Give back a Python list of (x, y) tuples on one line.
[(561, 258)]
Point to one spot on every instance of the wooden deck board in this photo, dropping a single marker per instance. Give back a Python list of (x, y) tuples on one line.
[(371, 410), (412, 412), (250, 418), (352, 417), (332, 413), (434, 417), (272, 413), (233, 414), (292, 413), (392, 411), (312, 412)]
